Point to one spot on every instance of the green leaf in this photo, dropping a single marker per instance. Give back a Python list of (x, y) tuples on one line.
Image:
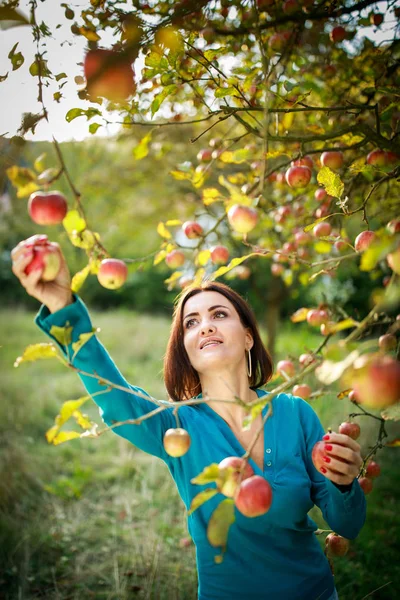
[(83, 339), (93, 127), (62, 334), (229, 91), (209, 475), (142, 149), (73, 113), (310, 227), (36, 352), (201, 498), (39, 67), (331, 181), (17, 59), (376, 252), (159, 99), (79, 279), (61, 76), (256, 410), (3, 77), (9, 17), (220, 522)]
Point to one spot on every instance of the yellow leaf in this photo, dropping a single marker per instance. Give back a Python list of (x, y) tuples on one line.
[(303, 278), (173, 277), (35, 352), (73, 221), (142, 149), (159, 257), (68, 408), (275, 153), (299, 315), (23, 179), (51, 433), (163, 231), (27, 190), (237, 197), (322, 247), (199, 277), (198, 178), (287, 122), (65, 436), (79, 279), (181, 175), (201, 498), (83, 338), (345, 324), (202, 258), (234, 262), (82, 420), (211, 195), (89, 34), (173, 222), (331, 181), (39, 164), (219, 524), (62, 334), (309, 227), (208, 475), (94, 264)]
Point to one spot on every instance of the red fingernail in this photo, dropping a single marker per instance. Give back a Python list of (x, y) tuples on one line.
[(323, 469), (328, 447), (326, 437), (326, 459)]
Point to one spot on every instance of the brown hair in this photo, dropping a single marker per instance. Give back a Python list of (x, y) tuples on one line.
[(181, 379)]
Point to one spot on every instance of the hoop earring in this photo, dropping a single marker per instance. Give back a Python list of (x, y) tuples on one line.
[(249, 368)]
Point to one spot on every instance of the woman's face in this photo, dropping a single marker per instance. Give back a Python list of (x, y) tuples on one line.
[(214, 317)]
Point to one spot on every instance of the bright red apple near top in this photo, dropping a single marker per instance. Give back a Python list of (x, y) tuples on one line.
[(109, 74), (112, 273), (298, 177), (230, 469), (304, 161), (242, 218), (254, 496), (46, 257), (332, 159), (47, 208), (364, 240), (338, 34), (192, 229), (377, 158), (205, 155)]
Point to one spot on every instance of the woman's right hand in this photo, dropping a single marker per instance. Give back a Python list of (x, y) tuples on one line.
[(54, 294)]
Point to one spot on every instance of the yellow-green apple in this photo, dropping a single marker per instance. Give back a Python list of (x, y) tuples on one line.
[(298, 177), (176, 442), (303, 390), (112, 273), (351, 429), (338, 34), (373, 469), (364, 240), (316, 317), (45, 256), (322, 229), (306, 359), (205, 155), (285, 366), (375, 379), (253, 496), (336, 545), (320, 194), (376, 19), (109, 74), (387, 342), (393, 226), (175, 259), (192, 229), (366, 484), (332, 159), (242, 218), (393, 260), (219, 255), (377, 158), (47, 208), (230, 474), (304, 161)]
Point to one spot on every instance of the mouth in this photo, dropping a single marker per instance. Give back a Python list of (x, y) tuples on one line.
[(211, 345)]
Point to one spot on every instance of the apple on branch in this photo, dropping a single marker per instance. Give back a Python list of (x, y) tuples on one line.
[(336, 545), (364, 240), (219, 255), (175, 259), (373, 469), (298, 177), (254, 496), (112, 273), (322, 229), (338, 34), (387, 342), (302, 390), (109, 74), (351, 429), (47, 208), (230, 474), (192, 229), (285, 367), (332, 159), (176, 442), (242, 218), (366, 484)]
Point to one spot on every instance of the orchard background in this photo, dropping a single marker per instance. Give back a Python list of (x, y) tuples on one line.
[(209, 104)]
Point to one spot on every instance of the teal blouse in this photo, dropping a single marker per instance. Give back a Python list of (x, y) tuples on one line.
[(275, 556)]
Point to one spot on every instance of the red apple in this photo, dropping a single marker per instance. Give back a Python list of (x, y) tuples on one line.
[(316, 317), (192, 229), (109, 74), (298, 177), (277, 269), (393, 260), (377, 158), (305, 161), (288, 247), (278, 41), (317, 454), (285, 366), (366, 484), (303, 390), (176, 442), (332, 159), (375, 378), (320, 194), (340, 245), (112, 273), (47, 208), (302, 238), (242, 218), (387, 342), (229, 483), (254, 496), (338, 34), (364, 240), (219, 255), (336, 545), (46, 257), (373, 469), (322, 211), (306, 359), (241, 271), (322, 229), (393, 226), (175, 259), (376, 19), (205, 155), (351, 429)]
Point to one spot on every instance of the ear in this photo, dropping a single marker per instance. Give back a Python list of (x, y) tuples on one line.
[(249, 339)]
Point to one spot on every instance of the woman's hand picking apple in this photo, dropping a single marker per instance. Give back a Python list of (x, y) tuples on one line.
[(338, 457), (55, 293)]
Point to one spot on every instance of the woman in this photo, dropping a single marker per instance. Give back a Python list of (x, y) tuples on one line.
[(215, 349)]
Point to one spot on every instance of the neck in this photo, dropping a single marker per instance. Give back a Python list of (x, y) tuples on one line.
[(227, 388)]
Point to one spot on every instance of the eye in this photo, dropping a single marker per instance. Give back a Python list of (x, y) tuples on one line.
[(217, 312)]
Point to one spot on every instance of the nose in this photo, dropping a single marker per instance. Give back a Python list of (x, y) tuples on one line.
[(207, 329)]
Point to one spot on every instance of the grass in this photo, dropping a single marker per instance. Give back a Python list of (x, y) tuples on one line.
[(100, 519)]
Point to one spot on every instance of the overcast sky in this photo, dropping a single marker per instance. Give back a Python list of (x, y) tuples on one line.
[(18, 94)]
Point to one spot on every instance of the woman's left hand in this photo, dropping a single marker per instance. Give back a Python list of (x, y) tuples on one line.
[(345, 458)]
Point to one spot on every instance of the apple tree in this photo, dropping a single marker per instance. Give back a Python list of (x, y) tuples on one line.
[(295, 105)]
